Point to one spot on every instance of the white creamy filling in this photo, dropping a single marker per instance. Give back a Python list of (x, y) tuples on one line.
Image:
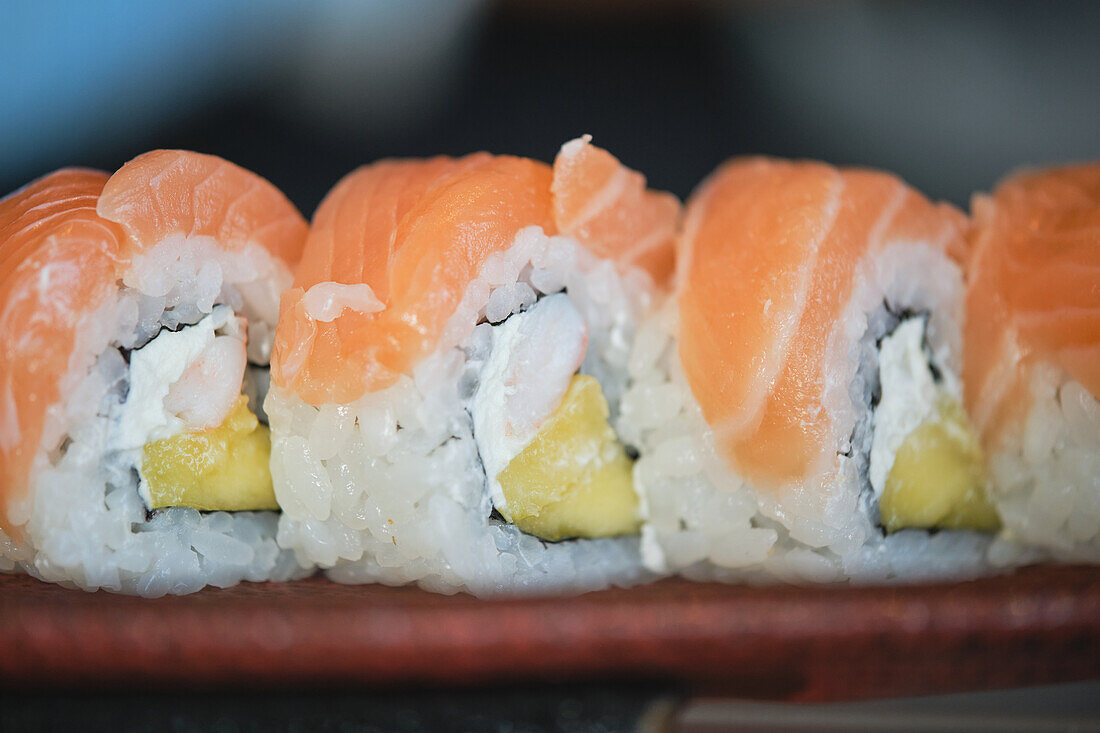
[(533, 358), (154, 369), (909, 394)]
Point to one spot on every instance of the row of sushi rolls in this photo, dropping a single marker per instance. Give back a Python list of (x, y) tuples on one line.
[(493, 375)]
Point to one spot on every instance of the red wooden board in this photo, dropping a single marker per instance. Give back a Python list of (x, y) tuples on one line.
[(1039, 625)]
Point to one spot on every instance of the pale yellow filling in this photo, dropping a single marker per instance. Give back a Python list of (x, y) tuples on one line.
[(938, 480), (574, 479), (223, 468)]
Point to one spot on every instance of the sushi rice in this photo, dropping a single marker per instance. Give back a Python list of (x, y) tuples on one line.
[(707, 523), (1033, 376), (141, 313), (400, 485), (391, 488), (1046, 474), (83, 522)]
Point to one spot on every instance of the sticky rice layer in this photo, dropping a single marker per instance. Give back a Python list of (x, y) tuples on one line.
[(1045, 473)]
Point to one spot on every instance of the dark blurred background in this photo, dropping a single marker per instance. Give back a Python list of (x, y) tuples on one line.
[(950, 95)]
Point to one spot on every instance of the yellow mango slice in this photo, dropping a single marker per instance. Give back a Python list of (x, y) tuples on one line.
[(937, 480), (223, 468), (574, 479)]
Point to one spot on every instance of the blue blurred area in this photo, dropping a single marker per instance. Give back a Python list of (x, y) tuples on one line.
[(89, 79), (79, 72), (950, 95)]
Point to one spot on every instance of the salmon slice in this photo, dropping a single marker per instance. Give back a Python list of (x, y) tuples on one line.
[(169, 192), (366, 206), (417, 232), (58, 261), (1034, 293), (607, 207), (769, 264)]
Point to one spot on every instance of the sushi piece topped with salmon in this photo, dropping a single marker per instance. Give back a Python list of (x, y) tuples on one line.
[(797, 405), (448, 369), (1032, 367), (138, 312)]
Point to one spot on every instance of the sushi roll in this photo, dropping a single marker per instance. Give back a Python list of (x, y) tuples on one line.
[(137, 313), (448, 368), (797, 404), (1032, 367)]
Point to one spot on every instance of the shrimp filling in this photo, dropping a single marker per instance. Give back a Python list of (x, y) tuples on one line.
[(187, 423), (553, 464), (925, 463)]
